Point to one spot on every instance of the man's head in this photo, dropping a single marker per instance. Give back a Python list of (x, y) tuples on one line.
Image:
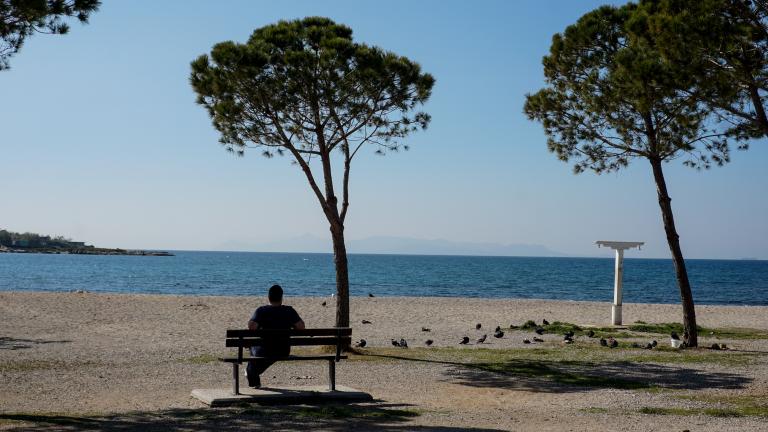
[(275, 294)]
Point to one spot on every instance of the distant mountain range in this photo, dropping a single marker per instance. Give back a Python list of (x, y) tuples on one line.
[(395, 245)]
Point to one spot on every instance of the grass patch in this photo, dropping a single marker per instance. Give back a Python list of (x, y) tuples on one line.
[(348, 412), (737, 405), (712, 412), (720, 333), (59, 419), (567, 376)]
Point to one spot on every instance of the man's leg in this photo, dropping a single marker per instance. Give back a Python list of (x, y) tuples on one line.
[(256, 368)]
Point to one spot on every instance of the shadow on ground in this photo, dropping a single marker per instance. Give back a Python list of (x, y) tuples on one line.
[(570, 376), (329, 417), (9, 343)]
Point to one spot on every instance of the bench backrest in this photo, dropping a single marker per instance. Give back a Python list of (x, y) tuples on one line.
[(338, 336)]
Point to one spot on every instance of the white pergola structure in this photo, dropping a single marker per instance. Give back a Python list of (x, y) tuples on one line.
[(619, 247)]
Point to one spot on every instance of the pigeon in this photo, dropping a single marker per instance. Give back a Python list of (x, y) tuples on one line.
[(479, 326), (324, 304), (482, 339), (464, 340), (674, 336), (591, 333), (498, 329), (361, 344), (603, 342), (649, 346), (544, 322), (526, 341), (403, 343), (715, 347), (366, 322), (424, 329), (428, 342), (535, 339), (539, 331), (613, 343), (568, 338), (654, 343), (723, 347), (569, 334), (395, 343), (371, 295), (567, 341), (499, 334)]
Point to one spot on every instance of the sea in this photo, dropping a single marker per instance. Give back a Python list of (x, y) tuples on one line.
[(724, 282)]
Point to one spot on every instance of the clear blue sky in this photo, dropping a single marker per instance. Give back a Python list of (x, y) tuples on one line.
[(102, 141)]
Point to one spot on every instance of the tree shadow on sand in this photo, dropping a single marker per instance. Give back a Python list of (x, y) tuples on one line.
[(9, 343), (329, 417), (572, 376)]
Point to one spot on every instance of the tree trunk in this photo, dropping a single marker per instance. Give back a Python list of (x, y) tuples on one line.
[(757, 102), (342, 276), (686, 297)]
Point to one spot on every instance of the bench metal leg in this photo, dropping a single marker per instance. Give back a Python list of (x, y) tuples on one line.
[(332, 375), (236, 377)]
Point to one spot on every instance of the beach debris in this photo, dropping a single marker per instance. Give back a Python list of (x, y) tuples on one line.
[(428, 342), (425, 329), (478, 326), (482, 339), (361, 344), (464, 340), (544, 322), (403, 343), (497, 329), (674, 336), (613, 343), (324, 304), (366, 322), (526, 341), (395, 343), (498, 334), (603, 342), (591, 333), (371, 295), (539, 330), (654, 343), (535, 339), (715, 347)]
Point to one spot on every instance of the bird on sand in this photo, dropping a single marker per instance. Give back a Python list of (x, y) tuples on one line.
[(395, 343), (526, 341), (569, 334), (464, 340), (539, 331), (361, 344), (478, 326), (482, 339), (674, 336), (591, 333), (535, 339), (568, 339), (613, 343), (371, 295), (497, 329), (649, 346), (603, 342), (499, 334), (403, 343), (324, 304), (366, 322), (654, 343), (428, 342), (544, 322), (425, 329), (715, 347)]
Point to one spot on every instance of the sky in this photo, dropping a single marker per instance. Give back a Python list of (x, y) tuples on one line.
[(102, 141)]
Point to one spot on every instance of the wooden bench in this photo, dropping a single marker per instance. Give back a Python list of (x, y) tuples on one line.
[(240, 339)]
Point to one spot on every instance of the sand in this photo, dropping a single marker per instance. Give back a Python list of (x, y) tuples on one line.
[(132, 360)]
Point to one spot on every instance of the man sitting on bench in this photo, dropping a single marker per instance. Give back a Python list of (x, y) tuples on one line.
[(272, 316)]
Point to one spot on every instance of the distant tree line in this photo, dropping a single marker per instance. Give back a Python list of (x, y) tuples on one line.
[(32, 240)]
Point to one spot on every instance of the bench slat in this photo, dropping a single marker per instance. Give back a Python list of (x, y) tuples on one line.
[(337, 331), (296, 341), (291, 358)]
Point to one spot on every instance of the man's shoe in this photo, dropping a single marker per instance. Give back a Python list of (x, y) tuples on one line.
[(255, 383)]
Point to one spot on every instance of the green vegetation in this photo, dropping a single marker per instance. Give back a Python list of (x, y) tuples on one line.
[(713, 412), (350, 412), (721, 333)]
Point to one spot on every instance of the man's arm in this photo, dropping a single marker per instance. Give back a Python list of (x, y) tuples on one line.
[(253, 325), (299, 325)]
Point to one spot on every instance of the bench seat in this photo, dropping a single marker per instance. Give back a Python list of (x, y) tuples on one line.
[(289, 358)]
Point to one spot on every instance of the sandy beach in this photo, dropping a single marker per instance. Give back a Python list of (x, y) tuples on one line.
[(71, 361)]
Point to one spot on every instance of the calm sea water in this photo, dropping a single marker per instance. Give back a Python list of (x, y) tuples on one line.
[(249, 273)]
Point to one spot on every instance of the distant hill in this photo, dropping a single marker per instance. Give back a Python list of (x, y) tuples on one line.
[(396, 245)]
